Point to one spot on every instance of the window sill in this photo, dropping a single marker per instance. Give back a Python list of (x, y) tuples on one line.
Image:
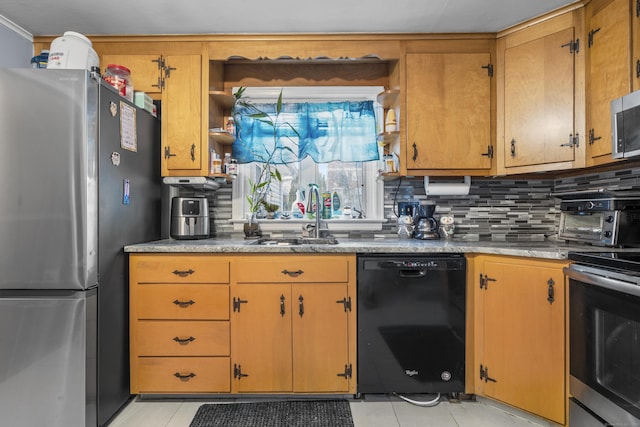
[(338, 225)]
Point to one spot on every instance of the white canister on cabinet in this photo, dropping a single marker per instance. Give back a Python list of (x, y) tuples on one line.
[(72, 51)]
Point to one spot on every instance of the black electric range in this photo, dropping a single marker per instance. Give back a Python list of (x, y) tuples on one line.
[(628, 262)]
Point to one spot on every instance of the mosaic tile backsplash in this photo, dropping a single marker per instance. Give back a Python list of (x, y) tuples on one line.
[(497, 209)]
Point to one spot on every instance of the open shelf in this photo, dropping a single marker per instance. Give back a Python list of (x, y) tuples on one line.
[(388, 98), (388, 138), (222, 178), (226, 100), (222, 137)]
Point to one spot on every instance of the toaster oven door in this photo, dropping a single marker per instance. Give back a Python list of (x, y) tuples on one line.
[(585, 227)]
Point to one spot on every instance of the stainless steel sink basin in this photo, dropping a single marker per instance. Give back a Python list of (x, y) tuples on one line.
[(296, 241)]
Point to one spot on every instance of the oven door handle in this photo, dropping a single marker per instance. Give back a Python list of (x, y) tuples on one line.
[(603, 282)]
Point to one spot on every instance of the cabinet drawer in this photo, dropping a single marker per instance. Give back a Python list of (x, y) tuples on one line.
[(183, 374), (182, 338), (195, 302), (293, 269), (179, 269)]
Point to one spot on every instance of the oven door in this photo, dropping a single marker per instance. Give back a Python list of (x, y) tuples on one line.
[(605, 343)]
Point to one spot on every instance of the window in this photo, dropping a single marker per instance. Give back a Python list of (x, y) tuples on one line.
[(356, 183)]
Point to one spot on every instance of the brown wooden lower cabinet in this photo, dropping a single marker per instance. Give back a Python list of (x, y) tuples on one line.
[(286, 323), (293, 324), (209, 323), (291, 338), (520, 354), (179, 323)]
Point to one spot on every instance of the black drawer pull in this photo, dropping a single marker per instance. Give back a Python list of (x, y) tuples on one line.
[(183, 273), (292, 273), (184, 341), (184, 304), (184, 377)]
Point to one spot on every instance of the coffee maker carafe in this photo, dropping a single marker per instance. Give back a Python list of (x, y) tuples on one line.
[(425, 225)]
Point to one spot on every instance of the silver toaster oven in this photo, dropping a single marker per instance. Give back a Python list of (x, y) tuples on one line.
[(601, 218)]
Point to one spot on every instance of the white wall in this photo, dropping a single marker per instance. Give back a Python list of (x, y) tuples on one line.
[(16, 45)]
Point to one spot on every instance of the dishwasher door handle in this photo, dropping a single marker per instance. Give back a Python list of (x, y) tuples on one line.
[(412, 273)]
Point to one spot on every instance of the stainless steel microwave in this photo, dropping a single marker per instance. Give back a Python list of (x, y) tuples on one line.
[(625, 126)]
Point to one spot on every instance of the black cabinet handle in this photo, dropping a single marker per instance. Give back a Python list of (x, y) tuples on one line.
[(292, 273), (184, 304), (415, 152), (184, 377), (184, 341), (183, 273), (282, 299), (301, 306), (551, 292)]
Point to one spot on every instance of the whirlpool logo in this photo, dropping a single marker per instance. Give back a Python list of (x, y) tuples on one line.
[(411, 372)]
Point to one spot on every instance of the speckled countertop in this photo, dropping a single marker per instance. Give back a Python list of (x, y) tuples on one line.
[(543, 249)]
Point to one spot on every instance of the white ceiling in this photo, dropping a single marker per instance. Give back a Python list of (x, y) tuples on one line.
[(95, 17)]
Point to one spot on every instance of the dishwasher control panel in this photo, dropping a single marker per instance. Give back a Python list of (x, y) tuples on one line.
[(448, 263)]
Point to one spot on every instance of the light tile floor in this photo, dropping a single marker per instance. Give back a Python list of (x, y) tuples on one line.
[(376, 411)]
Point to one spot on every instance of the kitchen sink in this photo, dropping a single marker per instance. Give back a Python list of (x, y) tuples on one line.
[(296, 241)]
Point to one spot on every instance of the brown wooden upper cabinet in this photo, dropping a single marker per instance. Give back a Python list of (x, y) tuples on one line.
[(448, 112), (537, 97), (539, 81), (146, 70), (171, 72), (609, 70), (184, 147)]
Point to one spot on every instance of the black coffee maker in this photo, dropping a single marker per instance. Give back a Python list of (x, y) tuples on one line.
[(425, 225)]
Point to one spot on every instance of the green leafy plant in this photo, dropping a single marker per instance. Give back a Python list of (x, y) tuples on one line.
[(268, 172), (269, 207)]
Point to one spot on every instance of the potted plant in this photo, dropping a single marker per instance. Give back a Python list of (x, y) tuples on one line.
[(271, 208), (268, 172)]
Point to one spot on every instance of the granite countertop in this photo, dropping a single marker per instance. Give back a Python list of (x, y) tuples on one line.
[(535, 249)]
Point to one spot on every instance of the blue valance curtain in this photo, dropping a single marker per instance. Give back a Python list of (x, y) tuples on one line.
[(326, 132)]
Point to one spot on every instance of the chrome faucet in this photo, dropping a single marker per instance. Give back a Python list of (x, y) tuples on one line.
[(315, 230)]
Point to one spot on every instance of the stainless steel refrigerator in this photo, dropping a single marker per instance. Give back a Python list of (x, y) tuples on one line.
[(79, 180)]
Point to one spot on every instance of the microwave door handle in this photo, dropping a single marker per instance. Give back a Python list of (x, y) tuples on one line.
[(601, 281)]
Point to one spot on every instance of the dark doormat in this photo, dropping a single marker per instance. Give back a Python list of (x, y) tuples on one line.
[(285, 413)]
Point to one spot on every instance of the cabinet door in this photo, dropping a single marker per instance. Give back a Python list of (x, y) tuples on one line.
[(182, 116), (145, 70), (524, 338), (320, 338), (609, 62), (261, 338), (539, 100), (448, 111)]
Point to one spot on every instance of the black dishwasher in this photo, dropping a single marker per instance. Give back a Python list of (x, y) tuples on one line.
[(411, 323)]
